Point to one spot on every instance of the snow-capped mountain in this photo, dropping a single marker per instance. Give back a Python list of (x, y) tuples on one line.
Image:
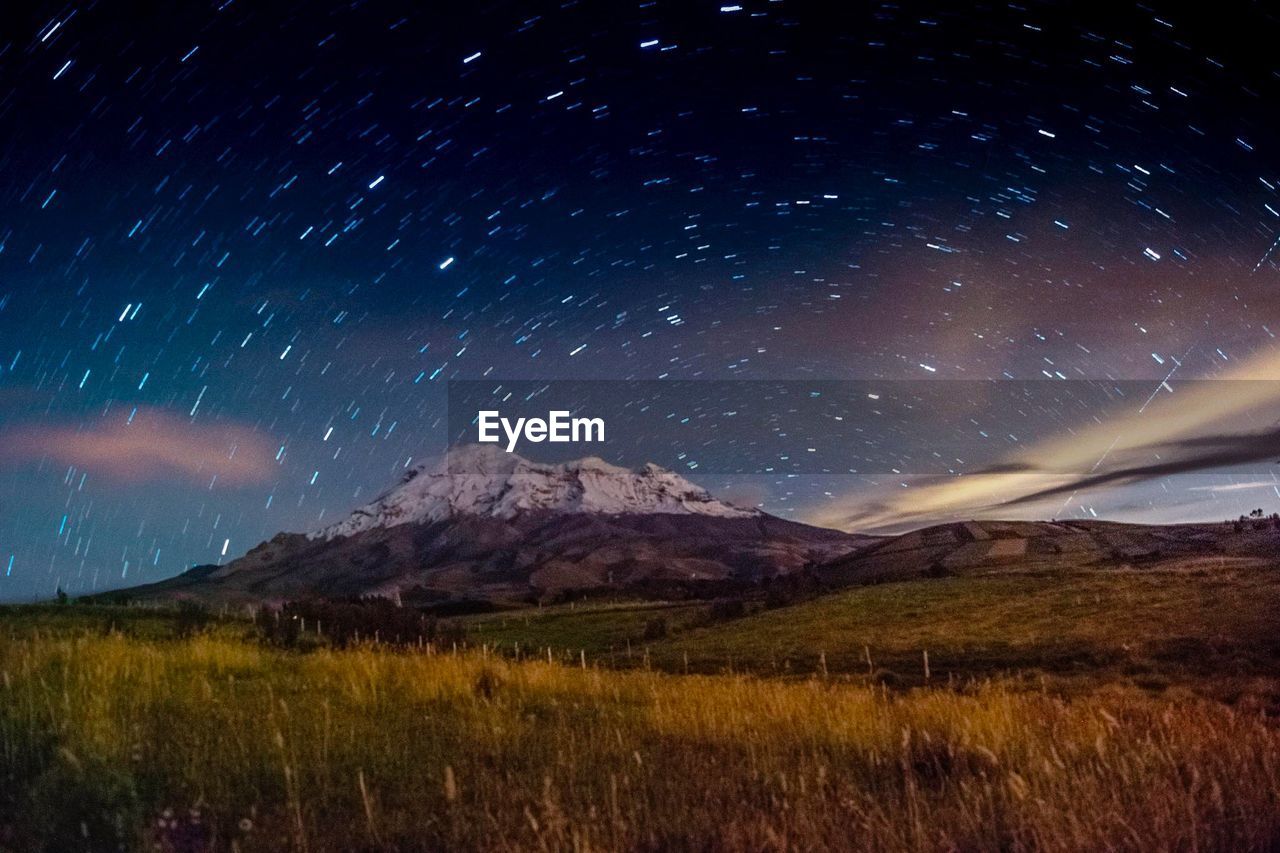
[(486, 481), (483, 524)]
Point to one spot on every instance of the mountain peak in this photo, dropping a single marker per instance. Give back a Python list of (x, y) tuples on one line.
[(484, 480)]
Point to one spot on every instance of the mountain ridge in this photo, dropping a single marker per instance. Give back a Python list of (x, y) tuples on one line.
[(482, 523), (485, 480)]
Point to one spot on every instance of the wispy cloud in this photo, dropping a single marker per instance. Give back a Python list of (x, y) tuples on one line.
[(1203, 453), (1237, 487), (1199, 427), (153, 444)]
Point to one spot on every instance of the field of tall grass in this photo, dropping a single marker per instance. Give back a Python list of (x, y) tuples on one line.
[(218, 743), (1217, 634)]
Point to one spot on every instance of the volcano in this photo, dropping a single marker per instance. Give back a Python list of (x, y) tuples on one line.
[(487, 525)]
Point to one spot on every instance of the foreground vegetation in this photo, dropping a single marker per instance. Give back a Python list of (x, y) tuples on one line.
[(1216, 633), (219, 742)]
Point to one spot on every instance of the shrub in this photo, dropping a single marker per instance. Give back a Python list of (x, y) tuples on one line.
[(487, 683), (191, 618), (778, 596), (344, 623), (724, 609), (937, 570), (785, 590), (886, 677), (655, 629), (80, 804)]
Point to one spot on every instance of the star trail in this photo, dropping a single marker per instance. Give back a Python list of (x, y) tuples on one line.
[(244, 246)]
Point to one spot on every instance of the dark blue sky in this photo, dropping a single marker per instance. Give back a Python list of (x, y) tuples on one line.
[(265, 234)]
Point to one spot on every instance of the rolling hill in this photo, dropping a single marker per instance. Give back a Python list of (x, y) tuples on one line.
[(975, 547)]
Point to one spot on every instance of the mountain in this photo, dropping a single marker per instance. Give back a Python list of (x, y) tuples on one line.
[(485, 524), (484, 481), (984, 547)]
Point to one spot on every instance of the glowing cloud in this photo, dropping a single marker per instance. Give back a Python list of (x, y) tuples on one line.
[(151, 445), (1205, 426)]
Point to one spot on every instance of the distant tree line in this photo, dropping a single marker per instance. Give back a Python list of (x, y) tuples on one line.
[(1257, 520), (347, 623)]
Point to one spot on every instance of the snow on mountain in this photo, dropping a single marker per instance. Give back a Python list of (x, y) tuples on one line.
[(483, 480)]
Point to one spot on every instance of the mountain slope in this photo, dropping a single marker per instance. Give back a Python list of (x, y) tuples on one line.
[(976, 547), (495, 526)]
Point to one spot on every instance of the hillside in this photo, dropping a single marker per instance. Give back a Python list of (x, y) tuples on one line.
[(1213, 631), (973, 547)]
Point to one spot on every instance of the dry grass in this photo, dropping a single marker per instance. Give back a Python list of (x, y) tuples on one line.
[(108, 740)]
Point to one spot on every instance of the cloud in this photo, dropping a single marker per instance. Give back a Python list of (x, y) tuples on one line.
[(152, 445), (1202, 453), (1197, 428), (1237, 487)]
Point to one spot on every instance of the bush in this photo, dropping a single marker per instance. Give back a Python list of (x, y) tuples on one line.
[(937, 570), (886, 677), (778, 596), (190, 619), (487, 683), (344, 623), (655, 629), (724, 609), (80, 804), (792, 588)]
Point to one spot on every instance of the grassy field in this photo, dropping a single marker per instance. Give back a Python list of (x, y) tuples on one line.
[(1217, 633), (217, 743)]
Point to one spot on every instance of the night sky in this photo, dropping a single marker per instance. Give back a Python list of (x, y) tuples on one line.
[(245, 245)]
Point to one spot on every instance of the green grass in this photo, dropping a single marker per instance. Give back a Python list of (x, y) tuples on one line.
[(596, 628), (1151, 629), (81, 618), (114, 742)]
